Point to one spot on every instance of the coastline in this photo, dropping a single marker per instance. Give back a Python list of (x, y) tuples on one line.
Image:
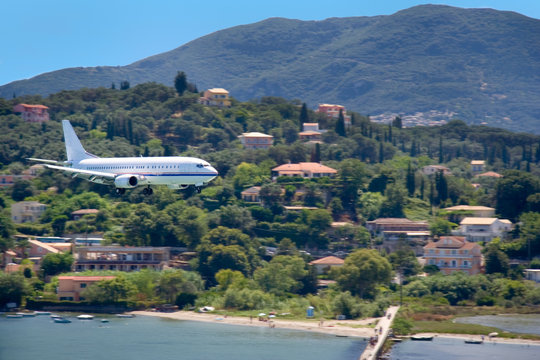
[(332, 327)]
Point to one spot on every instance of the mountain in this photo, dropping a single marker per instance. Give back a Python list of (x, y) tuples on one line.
[(479, 65)]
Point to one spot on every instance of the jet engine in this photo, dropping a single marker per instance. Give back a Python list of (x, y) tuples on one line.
[(128, 181)]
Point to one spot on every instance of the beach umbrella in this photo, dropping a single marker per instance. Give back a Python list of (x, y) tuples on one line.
[(493, 334), (262, 314)]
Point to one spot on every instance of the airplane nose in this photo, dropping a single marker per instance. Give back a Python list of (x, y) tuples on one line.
[(213, 170)]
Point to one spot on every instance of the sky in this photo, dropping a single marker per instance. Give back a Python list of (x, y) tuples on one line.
[(41, 36)]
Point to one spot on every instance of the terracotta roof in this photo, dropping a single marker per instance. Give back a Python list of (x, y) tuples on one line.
[(491, 174), (218, 90), (84, 212), (477, 221), (86, 278), (478, 162), (468, 208), (44, 246), (255, 134), (306, 166), (329, 260), (34, 106), (252, 190)]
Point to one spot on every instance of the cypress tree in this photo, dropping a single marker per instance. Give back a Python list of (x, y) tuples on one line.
[(304, 116), (340, 125), (441, 155), (381, 152), (411, 186), (180, 82)]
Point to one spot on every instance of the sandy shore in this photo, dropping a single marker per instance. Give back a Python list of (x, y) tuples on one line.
[(353, 328), (336, 327)]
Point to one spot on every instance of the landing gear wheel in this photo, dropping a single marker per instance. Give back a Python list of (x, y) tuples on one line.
[(120, 191), (148, 191), (199, 189)]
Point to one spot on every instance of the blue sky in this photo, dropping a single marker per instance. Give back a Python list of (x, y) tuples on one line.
[(41, 36)]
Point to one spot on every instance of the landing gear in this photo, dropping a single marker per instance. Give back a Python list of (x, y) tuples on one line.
[(148, 191), (120, 191), (199, 189)]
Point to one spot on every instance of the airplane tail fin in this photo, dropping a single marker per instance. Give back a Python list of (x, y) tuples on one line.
[(74, 149)]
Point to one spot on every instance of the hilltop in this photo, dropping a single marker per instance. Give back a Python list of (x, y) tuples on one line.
[(479, 65)]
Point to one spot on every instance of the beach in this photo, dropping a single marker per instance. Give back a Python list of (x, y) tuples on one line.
[(335, 327), (352, 328)]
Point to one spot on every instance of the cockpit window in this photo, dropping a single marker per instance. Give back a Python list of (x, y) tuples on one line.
[(200, 165)]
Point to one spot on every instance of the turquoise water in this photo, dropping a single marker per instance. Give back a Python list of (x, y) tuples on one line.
[(456, 349), (525, 324), (151, 338)]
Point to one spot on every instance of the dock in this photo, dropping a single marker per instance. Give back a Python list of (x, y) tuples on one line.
[(383, 328)]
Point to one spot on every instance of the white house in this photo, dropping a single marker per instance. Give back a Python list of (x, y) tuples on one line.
[(483, 229)]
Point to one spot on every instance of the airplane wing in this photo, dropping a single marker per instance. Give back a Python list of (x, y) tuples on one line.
[(94, 176), (46, 161)]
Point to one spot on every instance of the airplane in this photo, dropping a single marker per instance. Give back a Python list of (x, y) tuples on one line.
[(176, 172)]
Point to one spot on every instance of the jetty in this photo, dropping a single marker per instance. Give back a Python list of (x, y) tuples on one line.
[(381, 333)]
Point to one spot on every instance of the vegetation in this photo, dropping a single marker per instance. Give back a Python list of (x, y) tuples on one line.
[(254, 257)]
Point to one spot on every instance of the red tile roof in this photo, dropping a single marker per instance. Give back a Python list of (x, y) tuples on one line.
[(329, 260)]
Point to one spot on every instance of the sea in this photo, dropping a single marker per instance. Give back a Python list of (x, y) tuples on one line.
[(456, 349), (149, 338)]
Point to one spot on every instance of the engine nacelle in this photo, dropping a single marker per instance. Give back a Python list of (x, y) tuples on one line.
[(128, 181)]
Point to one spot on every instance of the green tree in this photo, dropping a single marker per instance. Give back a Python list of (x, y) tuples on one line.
[(363, 270), (304, 117), (340, 124), (496, 261), (282, 275), (227, 278), (512, 191), (54, 264), (411, 184), (180, 82), (13, 288)]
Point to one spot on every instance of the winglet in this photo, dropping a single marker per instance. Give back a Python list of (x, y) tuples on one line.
[(74, 149)]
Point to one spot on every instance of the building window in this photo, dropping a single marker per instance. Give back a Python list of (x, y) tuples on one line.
[(83, 285)]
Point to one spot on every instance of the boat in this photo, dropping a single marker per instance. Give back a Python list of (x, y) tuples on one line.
[(125, 316), (85, 317), (422, 338), (104, 320), (473, 341), (42, 313), (61, 320), (26, 314), (14, 316), (54, 316)]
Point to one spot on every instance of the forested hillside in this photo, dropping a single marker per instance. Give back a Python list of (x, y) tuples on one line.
[(480, 65), (255, 255)]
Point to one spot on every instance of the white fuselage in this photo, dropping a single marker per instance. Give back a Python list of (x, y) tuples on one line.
[(170, 170)]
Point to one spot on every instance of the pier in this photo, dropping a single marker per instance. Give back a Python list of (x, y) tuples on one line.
[(383, 328)]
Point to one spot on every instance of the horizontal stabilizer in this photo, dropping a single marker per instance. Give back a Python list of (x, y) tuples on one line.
[(46, 161)]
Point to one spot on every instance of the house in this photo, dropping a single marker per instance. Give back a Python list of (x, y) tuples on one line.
[(71, 287), (532, 274), (256, 140), (311, 132), (491, 174), (251, 194), (32, 113), (9, 180), (454, 253), (332, 112), (393, 226), (121, 258), (215, 97), (26, 211), (475, 211), (78, 214), (326, 263), (477, 166), (303, 169), (433, 169), (482, 228)]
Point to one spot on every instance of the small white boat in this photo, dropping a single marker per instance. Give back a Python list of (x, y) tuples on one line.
[(54, 316), (85, 317), (26, 314), (61, 320), (42, 313), (125, 316), (14, 316), (104, 320)]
